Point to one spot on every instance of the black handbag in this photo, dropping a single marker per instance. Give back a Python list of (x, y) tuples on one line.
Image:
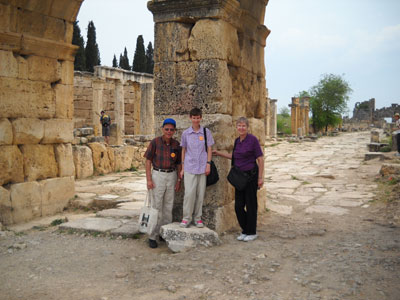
[(213, 177), (237, 177)]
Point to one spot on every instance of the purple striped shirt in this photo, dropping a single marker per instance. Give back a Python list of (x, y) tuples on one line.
[(195, 151)]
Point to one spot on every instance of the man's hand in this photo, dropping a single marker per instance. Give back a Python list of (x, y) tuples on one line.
[(208, 169), (178, 185), (150, 185), (181, 174)]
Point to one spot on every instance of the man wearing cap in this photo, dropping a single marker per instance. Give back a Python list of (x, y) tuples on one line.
[(397, 132), (105, 121), (164, 154)]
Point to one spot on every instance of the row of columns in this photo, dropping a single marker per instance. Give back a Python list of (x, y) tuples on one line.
[(300, 109)]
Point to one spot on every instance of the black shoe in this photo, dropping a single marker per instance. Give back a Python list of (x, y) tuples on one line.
[(161, 239), (153, 243)]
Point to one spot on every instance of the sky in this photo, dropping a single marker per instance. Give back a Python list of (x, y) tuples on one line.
[(356, 39)]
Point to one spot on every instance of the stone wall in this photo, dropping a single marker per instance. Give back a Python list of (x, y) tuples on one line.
[(36, 108)]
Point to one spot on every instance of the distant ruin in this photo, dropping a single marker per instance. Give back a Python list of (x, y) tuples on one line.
[(300, 122)]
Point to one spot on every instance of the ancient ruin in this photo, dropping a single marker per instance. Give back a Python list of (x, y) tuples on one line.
[(300, 108)]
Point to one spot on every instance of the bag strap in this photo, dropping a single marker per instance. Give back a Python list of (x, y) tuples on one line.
[(205, 138), (234, 147), (149, 197)]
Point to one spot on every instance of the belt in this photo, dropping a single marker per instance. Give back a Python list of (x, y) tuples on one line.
[(164, 170)]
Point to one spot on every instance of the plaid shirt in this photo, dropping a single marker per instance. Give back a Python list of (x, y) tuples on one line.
[(164, 156)]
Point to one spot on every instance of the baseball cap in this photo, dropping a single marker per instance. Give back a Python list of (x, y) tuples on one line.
[(169, 121)]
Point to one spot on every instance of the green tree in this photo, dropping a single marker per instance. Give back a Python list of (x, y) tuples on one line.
[(139, 60), (328, 101), (284, 111), (115, 62), (92, 52), (77, 39), (124, 63), (149, 58)]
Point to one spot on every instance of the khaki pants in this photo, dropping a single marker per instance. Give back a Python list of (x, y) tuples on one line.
[(195, 188), (164, 194)]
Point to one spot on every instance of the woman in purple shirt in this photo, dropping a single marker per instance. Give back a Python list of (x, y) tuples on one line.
[(248, 157)]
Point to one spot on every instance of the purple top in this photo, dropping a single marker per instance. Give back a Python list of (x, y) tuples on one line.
[(246, 152), (195, 150)]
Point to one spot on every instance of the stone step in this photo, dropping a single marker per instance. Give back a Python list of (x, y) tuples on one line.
[(373, 155), (118, 213), (376, 147)]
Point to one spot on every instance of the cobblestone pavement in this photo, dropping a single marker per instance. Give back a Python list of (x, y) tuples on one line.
[(322, 238)]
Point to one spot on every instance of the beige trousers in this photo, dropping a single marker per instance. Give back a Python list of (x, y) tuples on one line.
[(195, 188), (164, 194)]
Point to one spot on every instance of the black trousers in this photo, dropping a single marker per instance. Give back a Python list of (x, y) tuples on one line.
[(246, 205), (398, 142)]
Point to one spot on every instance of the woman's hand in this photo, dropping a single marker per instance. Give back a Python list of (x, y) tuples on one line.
[(216, 153), (208, 169), (260, 182)]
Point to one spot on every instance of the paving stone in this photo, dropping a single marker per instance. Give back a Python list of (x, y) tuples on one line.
[(101, 225), (326, 210), (279, 208), (119, 213), (127, 230)]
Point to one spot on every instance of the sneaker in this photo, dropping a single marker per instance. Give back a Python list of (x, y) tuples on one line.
[(250, 237), (199, 224), (153, 243), (184, 224), (241, 237)]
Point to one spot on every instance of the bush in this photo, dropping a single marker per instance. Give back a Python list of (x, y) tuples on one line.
[(283, 124)]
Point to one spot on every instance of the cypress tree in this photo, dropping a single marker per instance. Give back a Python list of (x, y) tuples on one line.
[(77, 39), (114, 62), (149, 58), (121, 60), (125, 65), (92, 52), (139, 60)]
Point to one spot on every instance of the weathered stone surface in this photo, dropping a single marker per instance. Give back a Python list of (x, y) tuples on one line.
[(123, 157), (182, 239), (43, 69), (103, 158), (64, 95), (390, 169), (373, 155), (101, 225), (127, 230), (394, 142), (83, 161), (27, 131), (6, 132), (11, 164), (374, 147), (214, 38), (115, 135), (8, 64), (39, 162), (119, 213), (58, 131), (56, 192), (26, 201), (65, 160), (374, 136), (257, 128), (83, 132), (5, 207)]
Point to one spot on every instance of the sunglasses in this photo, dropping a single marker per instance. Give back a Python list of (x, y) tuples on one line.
[(169, 129)]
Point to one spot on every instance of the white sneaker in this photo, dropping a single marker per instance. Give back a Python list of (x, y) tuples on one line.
[(241, 237), (249, 238)]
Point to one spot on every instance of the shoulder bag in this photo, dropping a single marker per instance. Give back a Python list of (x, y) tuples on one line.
[(148, 215), (213, 177), (237, 177)]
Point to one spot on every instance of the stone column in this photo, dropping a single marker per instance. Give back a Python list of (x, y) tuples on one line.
[(97, 105), (147, 109), (267, 118), (273, 118), (294, 114), (210, 55), (119, 109)]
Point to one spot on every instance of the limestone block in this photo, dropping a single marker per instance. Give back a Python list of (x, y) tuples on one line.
[(257, 128), (214, 39), (22, 67), (394, 142), (103, 158), (56, 192), (39, 162), (115, 135), (83, 161), (27, 131), (6, 133), (24, 98), (172, 40), (181, 86), (182, 239), (374, 136), (8, 64), (6, 13), (123, 157), (67, 72), (64, 101), (11, 164), (26, 201), (43, 69), (58, 131), (5, 207), (224, 218), (65, 160), (252, 56)]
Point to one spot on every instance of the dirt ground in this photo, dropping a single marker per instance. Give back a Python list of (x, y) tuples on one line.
[(298, 255)]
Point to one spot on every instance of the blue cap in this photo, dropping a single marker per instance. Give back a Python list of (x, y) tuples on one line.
[(169, 121)]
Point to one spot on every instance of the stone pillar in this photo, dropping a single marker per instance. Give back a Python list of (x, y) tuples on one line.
[(119, 109), (267, 117), (273, 118), (97, 105), (294, 114), (147, 109), (210, 55)]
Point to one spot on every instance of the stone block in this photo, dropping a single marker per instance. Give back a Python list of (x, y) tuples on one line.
[(65, 160), (373, 155), (257, 128), (56, 192), (172, 40), (6, 132), (7, 14), (374, 147), (374, 136), (58, 131), (100, 225), (185, 85), (252, 56), (67, 72), (8, 64), (183, 239), (83, 161), (24, 99), (27, 131), (115, 135), (394, 142), (11, 164), (26, 201), (214, 39), (43, 69), (83, 132), (224, 218), (5, 207), (64, 95), (123, 157), (39, 162), (22, 67), (103, 158)]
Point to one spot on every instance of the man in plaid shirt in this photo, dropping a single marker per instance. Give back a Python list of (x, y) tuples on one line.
[(164, 154)]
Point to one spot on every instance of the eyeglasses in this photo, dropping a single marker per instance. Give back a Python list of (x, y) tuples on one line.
[(169, 129)]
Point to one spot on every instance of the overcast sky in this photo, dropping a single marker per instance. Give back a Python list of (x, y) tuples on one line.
[(359, 39)]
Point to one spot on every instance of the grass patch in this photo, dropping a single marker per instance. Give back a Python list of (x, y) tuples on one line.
[(57, 222), (133, 169), (294, 178), (273, 145), (306, 182)]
